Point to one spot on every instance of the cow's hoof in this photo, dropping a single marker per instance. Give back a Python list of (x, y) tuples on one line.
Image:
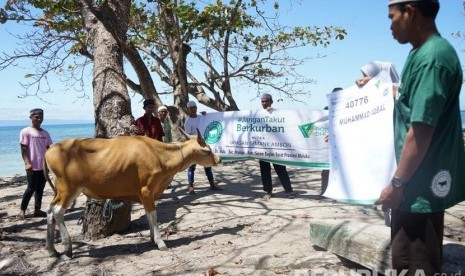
[(69, 254), (162, 248)]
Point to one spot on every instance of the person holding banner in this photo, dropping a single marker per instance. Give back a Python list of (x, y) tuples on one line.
[(386, 71), (190, 126), (265, 167), (428, 140)]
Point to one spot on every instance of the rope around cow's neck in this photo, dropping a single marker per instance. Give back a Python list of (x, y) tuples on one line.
[(182, 157)]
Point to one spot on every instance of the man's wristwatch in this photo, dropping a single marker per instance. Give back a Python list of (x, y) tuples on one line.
[(397, 183)]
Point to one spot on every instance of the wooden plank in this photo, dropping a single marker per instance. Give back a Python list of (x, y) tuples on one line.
[(366, 244), (370, 245)]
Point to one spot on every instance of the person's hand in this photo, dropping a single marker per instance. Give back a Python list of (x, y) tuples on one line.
[(28, 168), (390, 197), (394, 90), (327, 138), (203, 113), (362, 81)]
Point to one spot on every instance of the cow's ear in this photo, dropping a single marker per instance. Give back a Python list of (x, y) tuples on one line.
[(200, 139)]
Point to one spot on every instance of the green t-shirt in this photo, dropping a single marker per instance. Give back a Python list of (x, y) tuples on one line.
[(167, 130), (429, 93)]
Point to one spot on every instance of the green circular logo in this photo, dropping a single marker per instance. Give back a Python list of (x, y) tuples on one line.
[(213, 132)]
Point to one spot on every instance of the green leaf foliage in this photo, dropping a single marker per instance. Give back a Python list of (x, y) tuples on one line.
[(229, 39)]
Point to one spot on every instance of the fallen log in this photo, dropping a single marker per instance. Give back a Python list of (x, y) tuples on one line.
[(370, 245)]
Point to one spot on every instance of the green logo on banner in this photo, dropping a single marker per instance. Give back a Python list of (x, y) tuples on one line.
[(213, 132), (386, 91), (307, 129)]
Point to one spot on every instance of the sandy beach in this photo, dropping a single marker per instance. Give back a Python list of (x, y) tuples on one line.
[(230, 232)]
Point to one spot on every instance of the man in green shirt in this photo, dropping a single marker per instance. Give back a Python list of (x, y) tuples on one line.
[(162, 115), (430, 175)]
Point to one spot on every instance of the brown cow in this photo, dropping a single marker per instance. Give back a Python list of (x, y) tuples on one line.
[(134, 168)]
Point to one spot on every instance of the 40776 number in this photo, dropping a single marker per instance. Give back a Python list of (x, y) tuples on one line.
[(357, 102)]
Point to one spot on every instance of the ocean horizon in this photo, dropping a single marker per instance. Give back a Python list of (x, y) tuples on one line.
[(11, 163), (47, 122)]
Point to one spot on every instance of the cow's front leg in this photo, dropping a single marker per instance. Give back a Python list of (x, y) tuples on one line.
[(154, 231)]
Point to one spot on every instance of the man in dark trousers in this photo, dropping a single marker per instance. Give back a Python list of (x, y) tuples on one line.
[(265, 167), (430, 175), (34, 142)]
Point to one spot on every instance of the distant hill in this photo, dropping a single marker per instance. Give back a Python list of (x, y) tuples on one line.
[(46, 122)]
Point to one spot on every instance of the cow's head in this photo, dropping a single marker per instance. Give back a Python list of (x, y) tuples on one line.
[(205, 157)]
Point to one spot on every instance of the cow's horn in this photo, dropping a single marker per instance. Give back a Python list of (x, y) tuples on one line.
[(200, 139), (184, 135)]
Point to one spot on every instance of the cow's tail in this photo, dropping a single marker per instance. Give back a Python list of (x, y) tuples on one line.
[(47, 176)]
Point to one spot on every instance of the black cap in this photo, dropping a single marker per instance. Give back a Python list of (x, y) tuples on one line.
[(36, 111), (148, 102)]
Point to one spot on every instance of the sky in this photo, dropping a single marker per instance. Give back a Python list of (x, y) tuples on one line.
[(368, 38)]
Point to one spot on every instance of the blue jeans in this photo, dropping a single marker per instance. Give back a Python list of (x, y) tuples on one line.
[(190, 173)]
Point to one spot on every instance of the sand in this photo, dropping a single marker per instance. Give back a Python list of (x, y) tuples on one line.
[(230, 232)]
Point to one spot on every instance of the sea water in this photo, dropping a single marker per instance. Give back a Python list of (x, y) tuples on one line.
[(11, 162)]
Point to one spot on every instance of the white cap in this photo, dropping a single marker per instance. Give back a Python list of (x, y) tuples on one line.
[(266, 96), (161, 108), (191, 104), (392, 2)]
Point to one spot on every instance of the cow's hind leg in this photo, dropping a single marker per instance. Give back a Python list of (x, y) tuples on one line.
[(154, 231), (58, 213), (51, 233)]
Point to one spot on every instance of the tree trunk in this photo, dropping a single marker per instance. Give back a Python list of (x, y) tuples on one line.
[(107, 24), (178, 55), (103, 218), (147, 88)]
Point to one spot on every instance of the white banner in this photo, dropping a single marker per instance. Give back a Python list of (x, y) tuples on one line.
[(361, 142), (286, 137)]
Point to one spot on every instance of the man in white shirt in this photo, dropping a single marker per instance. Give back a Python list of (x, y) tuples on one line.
[(190, 126)]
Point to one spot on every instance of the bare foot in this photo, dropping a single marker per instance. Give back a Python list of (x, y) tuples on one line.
[(22, 215), (215, 188), (267, 196)]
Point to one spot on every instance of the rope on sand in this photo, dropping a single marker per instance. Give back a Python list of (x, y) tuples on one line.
[(107, 211)]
